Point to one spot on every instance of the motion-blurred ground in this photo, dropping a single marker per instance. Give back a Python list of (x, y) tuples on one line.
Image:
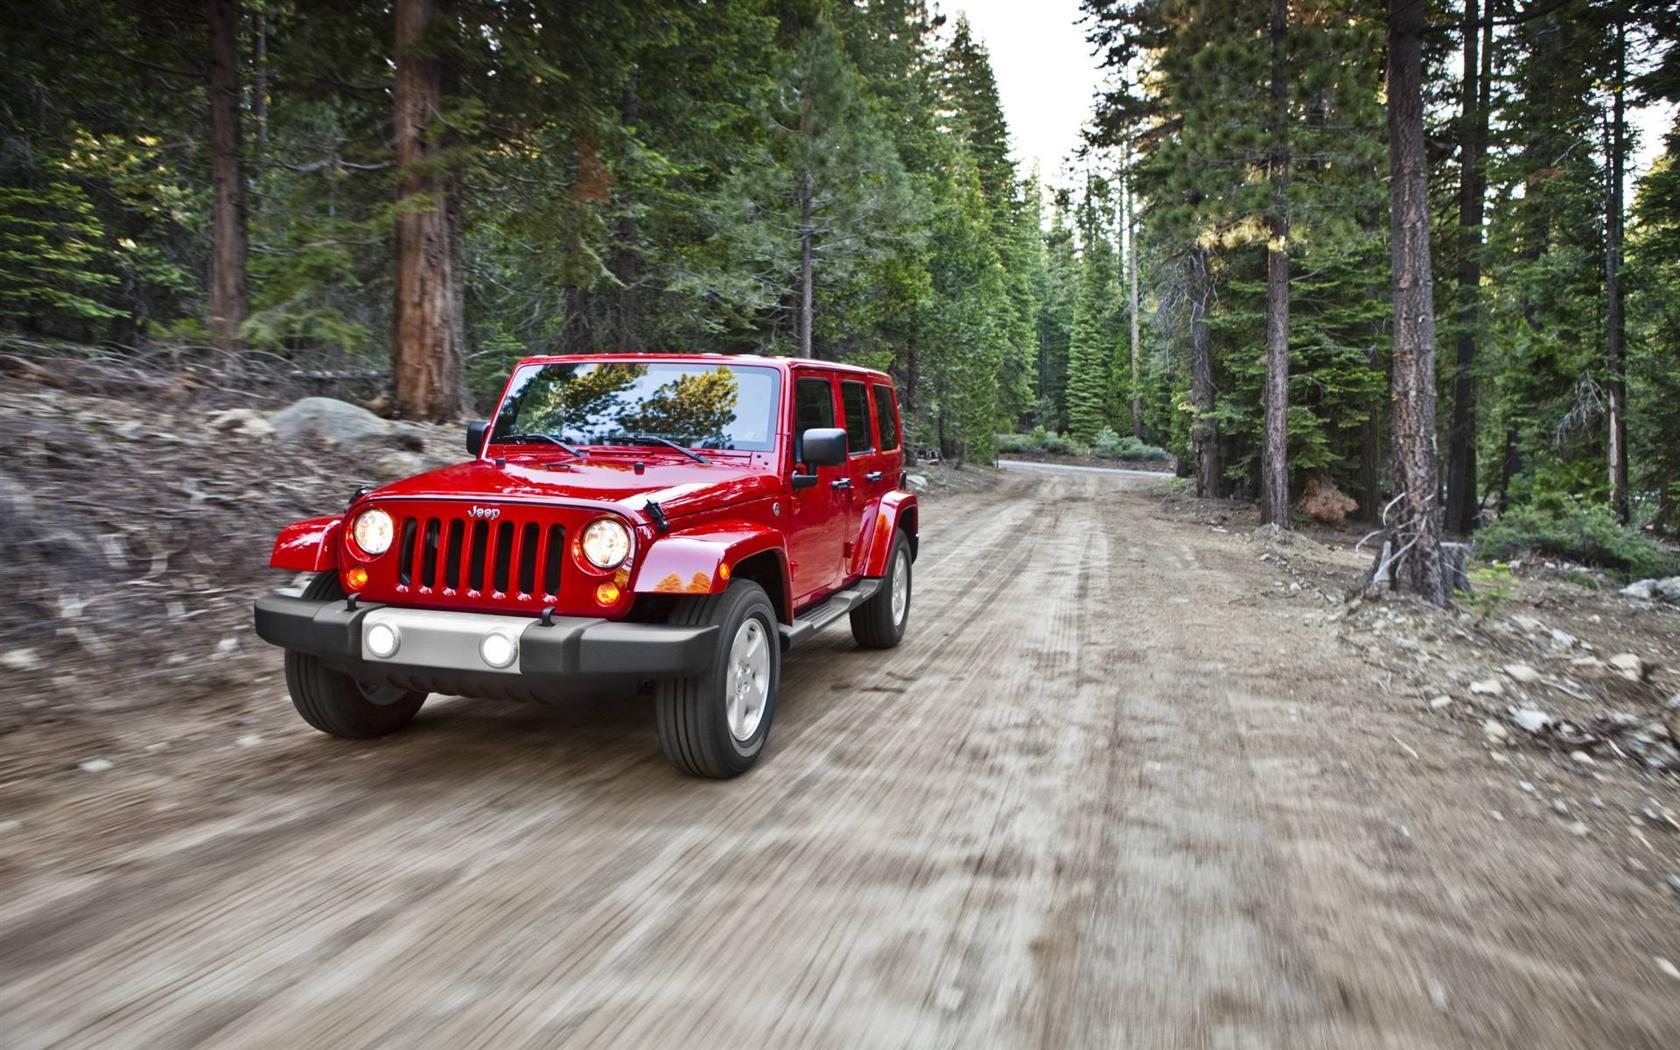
[(1134, 778)]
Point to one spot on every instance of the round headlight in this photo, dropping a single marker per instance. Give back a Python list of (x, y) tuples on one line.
[(373, 531), (606, 543)]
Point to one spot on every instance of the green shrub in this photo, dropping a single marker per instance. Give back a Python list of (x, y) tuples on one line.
[(1587, 534), (1490, 587), (1139, 451), (1064, 445), (1107, 445)]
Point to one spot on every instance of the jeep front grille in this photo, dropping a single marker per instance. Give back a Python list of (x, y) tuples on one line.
[(471, 556)]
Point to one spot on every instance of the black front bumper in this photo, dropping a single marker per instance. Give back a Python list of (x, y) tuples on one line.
[(553, 657)]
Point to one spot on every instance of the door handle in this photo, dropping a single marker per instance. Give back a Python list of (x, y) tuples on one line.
[(873, 475), (843, 483)]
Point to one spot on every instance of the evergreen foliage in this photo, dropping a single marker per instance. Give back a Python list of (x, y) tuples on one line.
[(640, 175), (625, 175), (1188, 89)]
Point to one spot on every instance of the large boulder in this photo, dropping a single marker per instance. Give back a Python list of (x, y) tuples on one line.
[(1656, 590), (340, 422)]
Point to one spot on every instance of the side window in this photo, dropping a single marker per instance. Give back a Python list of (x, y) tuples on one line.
[(813, 407), (854, 398), (886, 417)]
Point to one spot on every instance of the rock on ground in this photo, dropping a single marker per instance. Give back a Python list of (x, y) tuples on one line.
[(1323, 502), (340, 422), (1655, 590), (242, 421)]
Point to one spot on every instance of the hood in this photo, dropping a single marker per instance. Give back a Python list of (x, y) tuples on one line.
[(678, 488)]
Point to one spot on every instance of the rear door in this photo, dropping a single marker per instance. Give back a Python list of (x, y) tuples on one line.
[(818, 516), (865, 469), (887, 435)]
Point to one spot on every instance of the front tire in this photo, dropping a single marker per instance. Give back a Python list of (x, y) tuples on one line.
[(715, 724), (879, 623), (336, 703)]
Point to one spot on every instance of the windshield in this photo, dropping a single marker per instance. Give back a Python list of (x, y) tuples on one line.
[(595, 402)]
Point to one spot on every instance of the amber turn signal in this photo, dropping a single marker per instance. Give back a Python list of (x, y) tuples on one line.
[(607, 593), (357, 578), (723, 572)]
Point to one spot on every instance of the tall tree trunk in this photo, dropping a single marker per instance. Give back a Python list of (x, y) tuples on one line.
[(1510, 465), (1204, 431), (1462, 491), (1416, 520), (807, 193), (805, 297), (227, 176), (1615, 334), (259, 85), (1274, 449), (454, 229), (1129, 206), (427, 337), (624, 263)]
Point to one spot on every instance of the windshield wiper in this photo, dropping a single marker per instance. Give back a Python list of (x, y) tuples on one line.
[(518, 439), (649, 439)]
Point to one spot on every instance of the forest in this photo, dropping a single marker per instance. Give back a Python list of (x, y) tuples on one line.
[(1308, 245)]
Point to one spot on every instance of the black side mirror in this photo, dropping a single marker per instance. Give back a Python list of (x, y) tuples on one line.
[(476, 432), (823, 447)]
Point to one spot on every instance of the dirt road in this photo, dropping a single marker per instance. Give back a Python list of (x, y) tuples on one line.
[(1107, 793)]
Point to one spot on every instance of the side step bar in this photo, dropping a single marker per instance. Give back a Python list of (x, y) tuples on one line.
[(838, 604)]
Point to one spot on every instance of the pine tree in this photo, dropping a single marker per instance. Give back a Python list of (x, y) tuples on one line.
[(1653, 274), (428, 348), (969, 317), (1092, 342), (1258, 152), (1058, 293), (1414, 557), (975, 114), (1547, 249)]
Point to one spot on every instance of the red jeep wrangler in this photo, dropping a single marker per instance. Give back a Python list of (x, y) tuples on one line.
[(679, 520)]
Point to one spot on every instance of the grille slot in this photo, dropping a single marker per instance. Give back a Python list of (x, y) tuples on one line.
[(503, 560), (452, 555), (519, 559), (429, 554), (551, 560), (405, 553), (528, 558), (475, 563)]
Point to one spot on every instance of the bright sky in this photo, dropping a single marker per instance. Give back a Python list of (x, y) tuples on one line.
[(1045, 73)]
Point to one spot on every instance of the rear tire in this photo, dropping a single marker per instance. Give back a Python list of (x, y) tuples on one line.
[(336, 703), (715, 724), (879, 623)]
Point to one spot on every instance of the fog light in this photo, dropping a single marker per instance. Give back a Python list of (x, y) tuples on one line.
[(357, 578), (607, 593), (498, 650), (382, 640)]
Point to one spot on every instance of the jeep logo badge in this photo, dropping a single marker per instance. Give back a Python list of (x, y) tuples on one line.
[(488, 513)]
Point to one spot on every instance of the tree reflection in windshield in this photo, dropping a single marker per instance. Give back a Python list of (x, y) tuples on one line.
[(705, 406)]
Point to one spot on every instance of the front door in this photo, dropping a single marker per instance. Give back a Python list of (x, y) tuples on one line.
[(818, 516)]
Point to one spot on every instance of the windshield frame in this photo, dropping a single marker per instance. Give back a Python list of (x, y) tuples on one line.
[(515, 384)]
